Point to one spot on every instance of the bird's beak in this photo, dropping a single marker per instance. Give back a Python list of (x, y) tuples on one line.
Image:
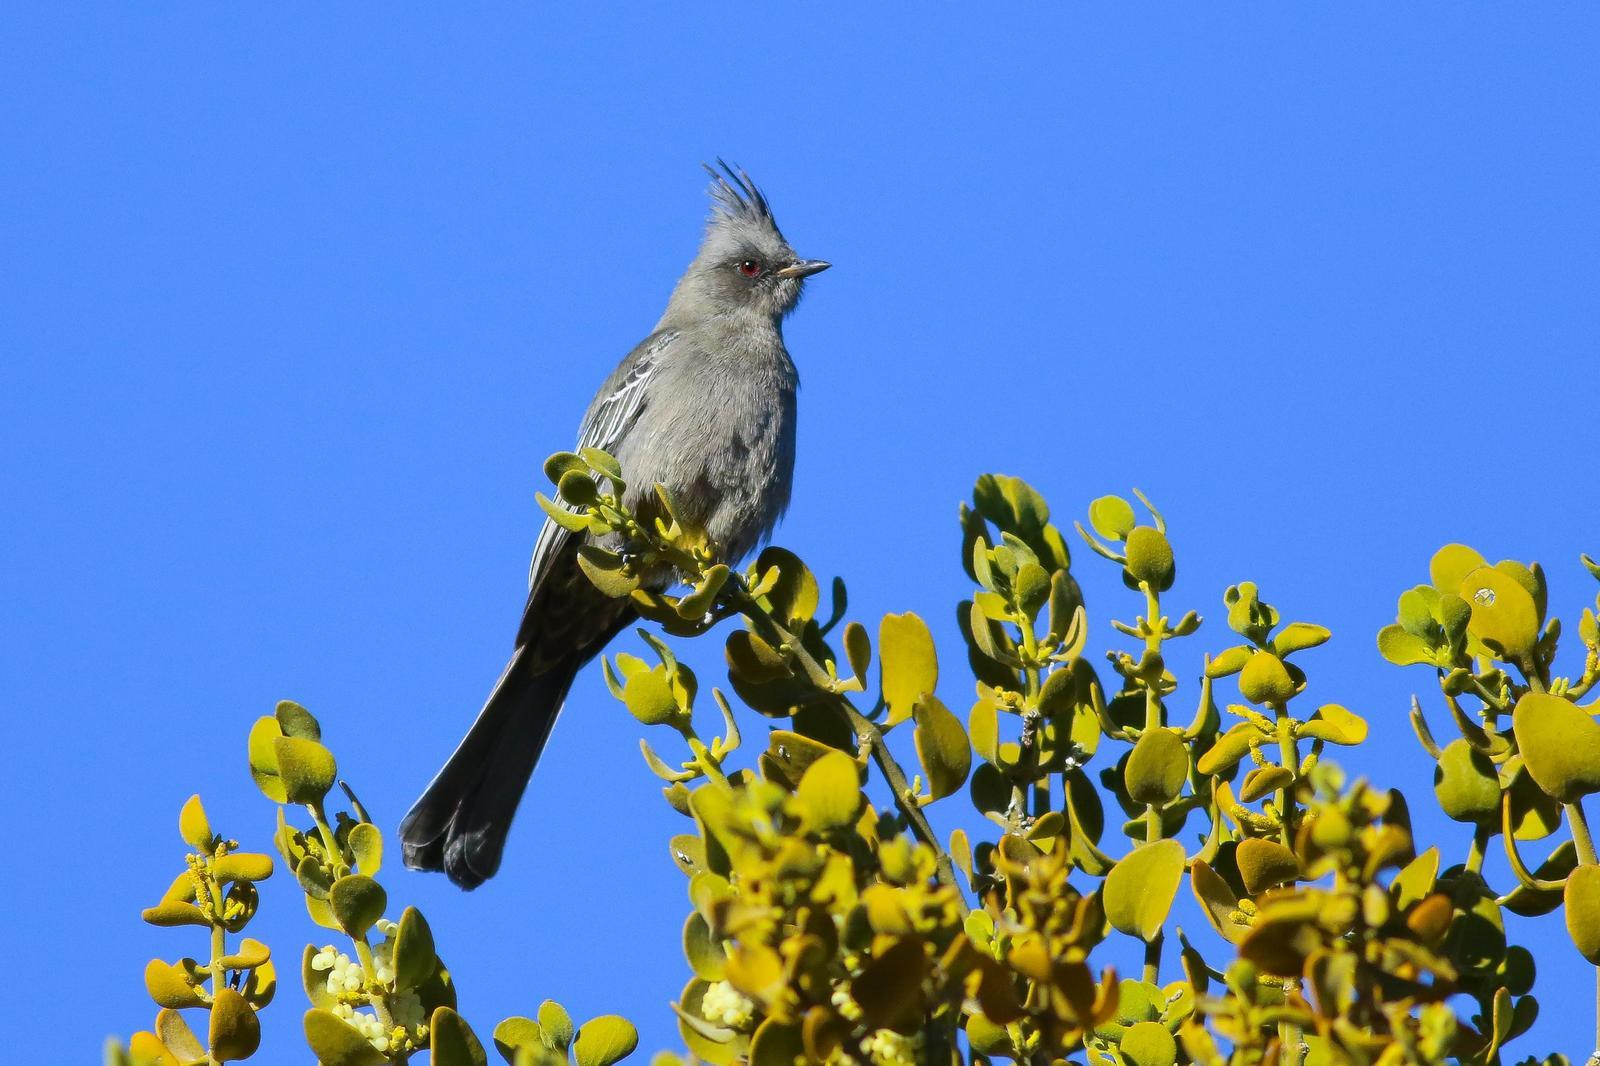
[(804, 268)]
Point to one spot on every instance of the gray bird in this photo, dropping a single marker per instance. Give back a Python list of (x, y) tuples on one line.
[(705, 405)]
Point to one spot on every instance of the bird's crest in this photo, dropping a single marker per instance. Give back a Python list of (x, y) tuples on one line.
[(734, 196)]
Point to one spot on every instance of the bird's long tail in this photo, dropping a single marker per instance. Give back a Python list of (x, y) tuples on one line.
[(459, 825)]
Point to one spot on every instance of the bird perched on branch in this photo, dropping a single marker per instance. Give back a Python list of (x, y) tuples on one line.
[(705, 405)]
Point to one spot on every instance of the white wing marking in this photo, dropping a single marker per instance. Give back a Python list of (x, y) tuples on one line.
[(612, 419)]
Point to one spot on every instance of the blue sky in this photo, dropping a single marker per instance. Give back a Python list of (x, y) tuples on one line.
[(294, 303)]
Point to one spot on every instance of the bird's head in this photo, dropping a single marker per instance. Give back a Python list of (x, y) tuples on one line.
[(744, 263)]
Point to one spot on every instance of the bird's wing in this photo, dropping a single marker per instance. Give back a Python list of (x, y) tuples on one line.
[(608, 421)]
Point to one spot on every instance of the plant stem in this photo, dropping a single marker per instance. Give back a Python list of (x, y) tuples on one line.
[(1581, 837), (1152, 959), (369, 969), (707, 761), (867, 734), (1480, 841)]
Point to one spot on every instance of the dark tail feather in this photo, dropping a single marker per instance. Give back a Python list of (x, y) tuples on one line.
[(460, 823)]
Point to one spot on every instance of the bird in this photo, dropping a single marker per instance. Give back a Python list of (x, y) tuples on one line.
[(705, 406)]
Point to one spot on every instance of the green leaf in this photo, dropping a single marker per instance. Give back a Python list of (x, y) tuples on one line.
[(1112, 517), (578, 489), (1232, 746), (453, 1042), (194, 827), (178, 1037), (1141, 887), (1560, 745), (174, 985), (357, 902), (264, 760), (649, 697), (605, 571), (1264, 863), (1466, 784), (1226, 663), (908, 663), (858, 649), (336, 1042), (703, 950), (602, 462), (296, 721), (1503, 612), (561, 462), (794, 598), (556, 1025), (984, 722), (1150, 558), (241, 866), (888, 987), (571, 521), (415, 958), (1156, 768), (1297, 636), (1402, 648), (366, 845), (1334, 724), (235, 1029), (306, 768), (604, 1040), (1450, 564), (830, 792), (517, 1033), (1218, 901), (1265, 680), (942, 747), (776, 1044), (1582, 899), (1263, 780), (1148, 1044)]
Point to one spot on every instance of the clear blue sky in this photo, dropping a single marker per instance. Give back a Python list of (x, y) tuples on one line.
[(293, 303)]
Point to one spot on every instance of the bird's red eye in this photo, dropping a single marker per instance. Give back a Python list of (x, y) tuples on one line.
[(749, 268)]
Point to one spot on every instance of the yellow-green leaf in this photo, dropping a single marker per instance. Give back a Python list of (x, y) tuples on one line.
[(296, 721), (264, 760), (1265, 679), (1148, 1044), (605, 1040), (556, 1024), (357, 901), (453, 1042), (173, 985), (235, 1030), (306, 768), (908, 663), (830, 792), (1336, 725), (515, 1033), (942, 747), (1141, 887), (1450, 564), (415, 959), (1466, 784), (242, 866), (1264, 863), (194, 827), (1582, 899), (650, 698), (1156, 768), (1560, 745), (366, 845), (1503, 612), (1150, 557), (1112, 517)]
